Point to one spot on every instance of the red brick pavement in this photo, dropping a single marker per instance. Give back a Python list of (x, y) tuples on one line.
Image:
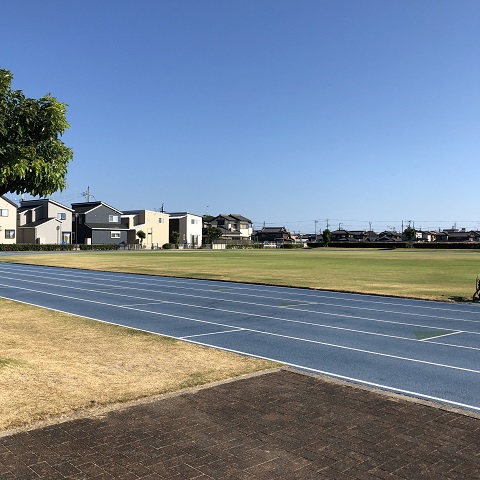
[(280, 425)]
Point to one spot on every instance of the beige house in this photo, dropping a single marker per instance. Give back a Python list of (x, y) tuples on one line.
[(153, 224), (8, 221), (44, 221)]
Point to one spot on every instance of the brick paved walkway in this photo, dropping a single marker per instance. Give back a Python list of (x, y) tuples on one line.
[(281, 425)]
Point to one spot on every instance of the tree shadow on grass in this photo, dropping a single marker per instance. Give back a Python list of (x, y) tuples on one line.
[(462, 300)]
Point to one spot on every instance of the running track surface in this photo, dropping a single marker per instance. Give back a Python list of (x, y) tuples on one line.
[(429, 350)]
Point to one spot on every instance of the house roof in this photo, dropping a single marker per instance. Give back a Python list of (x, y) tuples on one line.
[(236, 217), (273, 230), (25, 208), (39, 222), (106, 226), (11, 202), (84, 207), (181, 214), (39, 202)]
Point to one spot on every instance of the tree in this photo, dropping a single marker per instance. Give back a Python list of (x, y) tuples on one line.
[(175, 238), (410, 234), (141, 235), (326, 236), (32, 157), (212, 233)]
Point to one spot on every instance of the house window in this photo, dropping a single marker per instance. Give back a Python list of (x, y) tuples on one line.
[(194, 221), (62, 216), (161, 220), (9, 233), (4, 212), (113, 218), (114, 234)]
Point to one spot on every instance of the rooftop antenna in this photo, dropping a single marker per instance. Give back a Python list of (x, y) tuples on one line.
[(87, 194)]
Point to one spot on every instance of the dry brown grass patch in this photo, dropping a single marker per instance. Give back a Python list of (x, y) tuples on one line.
[(52, 364)]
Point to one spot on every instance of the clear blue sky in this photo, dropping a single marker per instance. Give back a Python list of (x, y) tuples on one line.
[(287, 112)]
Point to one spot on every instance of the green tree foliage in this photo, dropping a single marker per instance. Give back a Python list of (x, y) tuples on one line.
[(410, 234), (212, 233), (32, 157), (141, 235), (175, 238), (326, 236)]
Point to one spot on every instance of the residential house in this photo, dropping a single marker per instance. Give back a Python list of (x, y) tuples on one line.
[(234, 226), (189, 226), (8, 220), (342, 235), (272, 235), (425, 236), (97, 223), (389, 236), (155, 225), (462, 235), (44, 221)]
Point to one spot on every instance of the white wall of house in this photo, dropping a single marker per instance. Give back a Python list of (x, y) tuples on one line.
[(190, 228), (8, 221)]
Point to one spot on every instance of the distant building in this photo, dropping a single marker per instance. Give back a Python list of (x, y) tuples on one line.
[(233, 226), (44, 221), (155, 225), (8, 220), (189, 226), (96, 223)]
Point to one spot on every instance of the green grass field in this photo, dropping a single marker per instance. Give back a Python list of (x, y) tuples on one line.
[(435, 274)]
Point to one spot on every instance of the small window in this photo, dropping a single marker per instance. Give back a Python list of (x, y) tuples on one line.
[(114, 234), (194, 221), (113, 218), (9, 233), (161, 220), (4, 212), (61, 216)]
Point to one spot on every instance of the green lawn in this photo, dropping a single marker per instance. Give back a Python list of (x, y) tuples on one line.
[(434, 274)]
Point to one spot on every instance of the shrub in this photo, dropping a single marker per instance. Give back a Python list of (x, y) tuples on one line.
[(167, 246)]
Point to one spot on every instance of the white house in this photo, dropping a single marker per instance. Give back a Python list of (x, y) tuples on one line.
[(189, 226)]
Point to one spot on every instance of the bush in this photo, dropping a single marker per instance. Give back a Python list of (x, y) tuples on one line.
[(106, 246), (293, 245), (167, 246), (33, 247)]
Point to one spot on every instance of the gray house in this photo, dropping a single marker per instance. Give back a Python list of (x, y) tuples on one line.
[(44, 221), (97, 223)]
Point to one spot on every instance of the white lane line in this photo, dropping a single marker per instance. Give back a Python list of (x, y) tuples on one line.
[(225, 289), (344, 377), (212, 333), (430, 339), (203, 297), (261, 332), (247, 314)]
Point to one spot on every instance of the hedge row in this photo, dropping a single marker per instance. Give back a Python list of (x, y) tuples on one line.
[(393, 245), (108, 246), (33, 247)]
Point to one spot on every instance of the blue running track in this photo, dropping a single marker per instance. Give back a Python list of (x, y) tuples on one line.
[(429, 350)]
